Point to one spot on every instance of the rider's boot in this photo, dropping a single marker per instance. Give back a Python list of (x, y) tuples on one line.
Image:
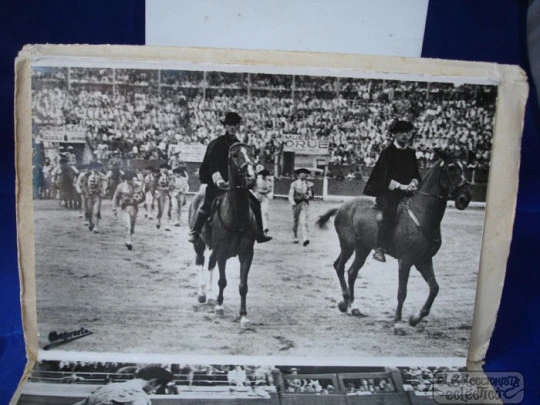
[(195, 232), (381, 238)]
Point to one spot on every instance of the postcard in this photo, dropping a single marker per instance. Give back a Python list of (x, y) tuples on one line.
[(262, 208)]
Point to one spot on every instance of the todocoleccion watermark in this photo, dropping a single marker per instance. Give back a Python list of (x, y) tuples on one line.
[(475, 387)]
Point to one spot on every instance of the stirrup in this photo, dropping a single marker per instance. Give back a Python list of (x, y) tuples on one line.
[(379, 255)]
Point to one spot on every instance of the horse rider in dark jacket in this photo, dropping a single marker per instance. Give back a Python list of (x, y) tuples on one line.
[(394, 176), (214, 172)]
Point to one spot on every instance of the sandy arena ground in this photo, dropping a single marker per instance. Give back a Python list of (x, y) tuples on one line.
[(145, 300)]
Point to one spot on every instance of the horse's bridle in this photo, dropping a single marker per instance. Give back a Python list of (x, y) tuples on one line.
[(452, 192), (243, 168)]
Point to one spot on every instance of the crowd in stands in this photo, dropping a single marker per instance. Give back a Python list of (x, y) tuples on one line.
[(321, 386), (421, 379), (70, 372), (145, 115), (362, 386)]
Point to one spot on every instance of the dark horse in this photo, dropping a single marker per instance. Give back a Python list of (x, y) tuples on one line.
[(415, 239), (38, 182), (233, 228), (65, 182)]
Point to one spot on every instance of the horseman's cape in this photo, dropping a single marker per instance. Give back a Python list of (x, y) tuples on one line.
[(393, 164), (216, 159)]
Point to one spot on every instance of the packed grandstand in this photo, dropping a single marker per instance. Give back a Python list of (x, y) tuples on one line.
[(145, 114)]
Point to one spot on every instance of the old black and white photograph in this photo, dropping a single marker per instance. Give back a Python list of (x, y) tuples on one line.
[(229, 210), (91, 382)]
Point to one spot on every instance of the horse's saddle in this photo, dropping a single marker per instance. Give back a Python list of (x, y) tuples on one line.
[(215, 207), (216, 204), (432, 234), (207, 228)]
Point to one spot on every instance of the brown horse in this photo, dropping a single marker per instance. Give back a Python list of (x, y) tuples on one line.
[(415, 239), (233, 228)]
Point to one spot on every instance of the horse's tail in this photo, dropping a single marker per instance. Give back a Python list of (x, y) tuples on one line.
[(323, 219)]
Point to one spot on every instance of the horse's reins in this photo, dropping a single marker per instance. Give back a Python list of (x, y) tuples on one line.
[(415, 218), (450, 194), (241, 186)]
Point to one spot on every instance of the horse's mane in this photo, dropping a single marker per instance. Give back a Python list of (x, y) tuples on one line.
[(431, 172), (237, 145)]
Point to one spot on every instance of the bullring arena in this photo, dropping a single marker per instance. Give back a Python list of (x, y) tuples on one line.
[(145, 300)]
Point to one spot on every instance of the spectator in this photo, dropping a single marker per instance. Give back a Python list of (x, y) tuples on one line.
[(236, 376)]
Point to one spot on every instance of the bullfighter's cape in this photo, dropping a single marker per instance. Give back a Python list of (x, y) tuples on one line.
[(394, 163)]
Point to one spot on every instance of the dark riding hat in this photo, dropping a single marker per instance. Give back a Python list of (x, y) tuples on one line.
[(232, 118), (302, 170), (180, 169), (400, 126), (149, 373)]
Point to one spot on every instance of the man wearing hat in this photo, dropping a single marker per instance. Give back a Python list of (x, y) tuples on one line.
[(132, 392), (72, 158), (394, 176), (114, 175), (179, 188), (149, 187), (163, 195), (82, 189), (214, 172), (174, 160), (128, 195), (61, 154), (300, 192), (97, 188), (295, 384), (261, 190), (62, 162), (62, 166)]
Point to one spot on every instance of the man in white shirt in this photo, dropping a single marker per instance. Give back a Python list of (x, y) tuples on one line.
[(237, 376), (179, 188), (97, 188), (300, 192)]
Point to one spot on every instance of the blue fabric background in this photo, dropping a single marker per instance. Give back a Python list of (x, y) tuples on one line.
[(24, 22), (495, 31), (479, 30)]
